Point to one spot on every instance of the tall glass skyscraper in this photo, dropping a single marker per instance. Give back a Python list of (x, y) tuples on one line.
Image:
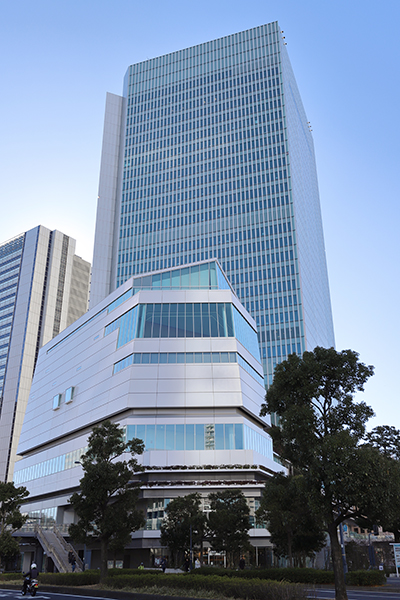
[(208, 154), (44, 288)]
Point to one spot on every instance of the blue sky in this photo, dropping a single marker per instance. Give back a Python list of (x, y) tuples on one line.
[(59, 58)]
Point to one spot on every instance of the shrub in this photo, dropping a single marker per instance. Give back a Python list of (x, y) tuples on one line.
[(366, 578), (10, 576), (294, 575), (70, 579), (234, 587), (119, 572)]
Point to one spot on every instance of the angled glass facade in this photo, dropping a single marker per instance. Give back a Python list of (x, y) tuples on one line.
[(218, 162)]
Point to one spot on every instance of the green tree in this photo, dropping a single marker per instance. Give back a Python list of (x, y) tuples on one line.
[(229, 523), (296, 529), (321, 427), (106, 503), (386, 439), (11, 518), (183, 513)]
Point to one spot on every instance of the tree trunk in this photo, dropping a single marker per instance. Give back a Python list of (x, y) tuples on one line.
[(103, 559), (340, 585), (289, 542)]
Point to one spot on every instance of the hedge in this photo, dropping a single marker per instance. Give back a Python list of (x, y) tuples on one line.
[(294, 575), (117, 572), (70, 579), (234, 587), (366, 578), (11, 576)]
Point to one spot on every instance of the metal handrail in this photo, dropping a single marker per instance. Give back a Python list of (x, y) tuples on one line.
[(49, 547), (68, 547)]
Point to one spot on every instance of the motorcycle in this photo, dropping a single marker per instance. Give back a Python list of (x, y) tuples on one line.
[(31, 586)]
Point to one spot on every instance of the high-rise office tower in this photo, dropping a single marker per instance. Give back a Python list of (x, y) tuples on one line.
[(208, 153), (44, 287)]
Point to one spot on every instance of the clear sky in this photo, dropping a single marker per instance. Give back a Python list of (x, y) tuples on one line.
[(60, 57)]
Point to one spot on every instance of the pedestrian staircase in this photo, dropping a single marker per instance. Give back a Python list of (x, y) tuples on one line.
[(57, 548)]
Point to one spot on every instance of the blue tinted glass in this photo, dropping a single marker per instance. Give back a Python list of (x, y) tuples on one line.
[(229, 440), (166, 279), (130, 432), (189, 437), (176, 279), (127, 327), (222, 321), (213, 276), (219, 436), (204, 275), (197, 320), (213, 320), (189, 320), (199, 437), (148, 321), (194, 276), (246, 335), (172, 320), (160, 437), (156, 281), (140, 329), (180, 437), (205, 320), (150, 436), (141, 432), (185, 283), (238, 436), (164, 320), (181, 320), (156, 321), (229, 320), (170, 437)]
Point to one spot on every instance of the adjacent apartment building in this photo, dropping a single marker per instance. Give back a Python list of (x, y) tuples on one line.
[(44, 287), (208, 154)]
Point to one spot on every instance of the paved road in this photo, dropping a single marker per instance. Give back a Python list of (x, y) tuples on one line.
[(320, 594)]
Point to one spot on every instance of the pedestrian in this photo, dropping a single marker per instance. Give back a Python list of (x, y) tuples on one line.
[(242, 563), (163, 564), (197, 564), (73, 563)]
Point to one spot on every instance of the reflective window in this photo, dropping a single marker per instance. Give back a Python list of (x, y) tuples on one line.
[(69, 394), (162, 358), (201, 276), (199, 436), (57, 401)]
